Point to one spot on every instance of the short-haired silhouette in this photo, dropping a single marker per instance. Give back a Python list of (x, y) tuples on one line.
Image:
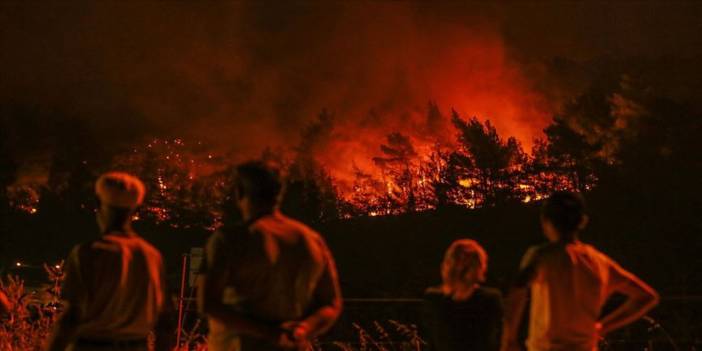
[(270, 282), (114, 285), (570, 282)]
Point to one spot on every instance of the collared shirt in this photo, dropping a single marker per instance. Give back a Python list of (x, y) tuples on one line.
[(275, 270), (116, 285), (571, 285)]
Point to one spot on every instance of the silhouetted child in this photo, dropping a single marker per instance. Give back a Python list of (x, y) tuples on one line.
[(462, 314), (570, 282)]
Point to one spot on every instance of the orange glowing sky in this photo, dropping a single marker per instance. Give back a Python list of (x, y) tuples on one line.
[(241, 76)]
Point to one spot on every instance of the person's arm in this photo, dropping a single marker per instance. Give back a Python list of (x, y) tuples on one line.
[(67, 324), (496, 319), (516, 301), (327, 299), (210, 304), (5, 304), (641, 298), (211, 286)]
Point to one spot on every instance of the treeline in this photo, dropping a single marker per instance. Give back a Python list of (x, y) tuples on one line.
[(619, 133), (613, 130)]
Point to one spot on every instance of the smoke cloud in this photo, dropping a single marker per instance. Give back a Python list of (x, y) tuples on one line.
[(243, 76)]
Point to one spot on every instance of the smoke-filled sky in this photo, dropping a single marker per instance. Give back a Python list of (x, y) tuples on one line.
[(243, 76)]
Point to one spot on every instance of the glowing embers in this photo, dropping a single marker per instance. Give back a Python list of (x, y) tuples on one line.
[(24, 198), (186, 182), (466, 183), (160, 214), (426, 186)]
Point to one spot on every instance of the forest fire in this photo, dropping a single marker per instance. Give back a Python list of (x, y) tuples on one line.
[(448, 119), (380, 146), (475, 168), (420, 140)]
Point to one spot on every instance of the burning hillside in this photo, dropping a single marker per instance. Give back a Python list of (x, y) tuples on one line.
[(472, 167), (178, 105)]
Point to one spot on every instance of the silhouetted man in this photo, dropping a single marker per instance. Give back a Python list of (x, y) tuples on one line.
[(269, 283), (114, 285), (570, 282)]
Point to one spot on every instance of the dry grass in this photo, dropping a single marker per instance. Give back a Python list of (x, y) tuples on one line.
[(31, 318), (394, 336), (32, 315)]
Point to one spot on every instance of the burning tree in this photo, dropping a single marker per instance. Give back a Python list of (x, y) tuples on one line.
[(398, 167), (420, 169), (565, 156), (486, 165), (364, 199), (185, 183), (310, 194), (480, 169)]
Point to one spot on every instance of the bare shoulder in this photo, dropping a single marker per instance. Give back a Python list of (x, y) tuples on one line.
[(537, 253), (594, 255), (595, 251), (304, 230)]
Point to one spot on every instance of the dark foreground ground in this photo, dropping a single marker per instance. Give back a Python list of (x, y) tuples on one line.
[(385, 263)]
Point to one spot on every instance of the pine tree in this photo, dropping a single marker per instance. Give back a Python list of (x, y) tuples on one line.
[(487, 163), (398, 165)]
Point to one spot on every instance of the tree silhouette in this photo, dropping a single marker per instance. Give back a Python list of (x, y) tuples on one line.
[(568, 153), (435, 120), (437, 173), (398, 166), (487, 163), (179, 192), (310, 194)]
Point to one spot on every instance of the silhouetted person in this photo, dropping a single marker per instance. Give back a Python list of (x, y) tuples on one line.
[(114, 285), (570, 282), (462, 314), (269, 283)]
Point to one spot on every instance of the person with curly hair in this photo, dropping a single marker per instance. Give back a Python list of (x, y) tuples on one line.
[(461, 313)]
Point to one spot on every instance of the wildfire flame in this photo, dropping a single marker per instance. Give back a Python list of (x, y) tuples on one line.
[(187, 176)]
